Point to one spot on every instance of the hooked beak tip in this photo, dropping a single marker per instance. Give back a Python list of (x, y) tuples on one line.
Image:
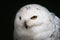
[(25, 24)]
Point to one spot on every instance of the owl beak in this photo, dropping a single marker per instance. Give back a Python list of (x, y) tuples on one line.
[(25, 24)]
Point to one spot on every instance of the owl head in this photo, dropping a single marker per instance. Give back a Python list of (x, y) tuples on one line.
[(32, 15)]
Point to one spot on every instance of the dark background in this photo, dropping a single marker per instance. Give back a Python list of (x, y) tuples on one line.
[(10, 7)]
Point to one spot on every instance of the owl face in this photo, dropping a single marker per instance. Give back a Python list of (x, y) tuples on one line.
[(32, 15), (34, 21)]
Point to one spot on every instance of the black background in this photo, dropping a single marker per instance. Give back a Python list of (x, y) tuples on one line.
[(10, 7)]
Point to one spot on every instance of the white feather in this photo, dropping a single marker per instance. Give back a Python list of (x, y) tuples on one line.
[(44, 27)]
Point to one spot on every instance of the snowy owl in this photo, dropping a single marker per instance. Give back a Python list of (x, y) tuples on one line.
[(35, 22)]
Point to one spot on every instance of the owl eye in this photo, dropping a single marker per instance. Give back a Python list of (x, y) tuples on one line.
[(33, 17), (20, 17)]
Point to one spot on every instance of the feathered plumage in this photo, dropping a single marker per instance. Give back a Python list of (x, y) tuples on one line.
[(35, 22)]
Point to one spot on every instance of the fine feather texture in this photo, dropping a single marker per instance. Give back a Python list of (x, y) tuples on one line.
[(35, 22)]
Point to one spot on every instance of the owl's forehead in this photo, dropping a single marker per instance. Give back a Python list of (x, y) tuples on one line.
[(31, 6), (31, 10)]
